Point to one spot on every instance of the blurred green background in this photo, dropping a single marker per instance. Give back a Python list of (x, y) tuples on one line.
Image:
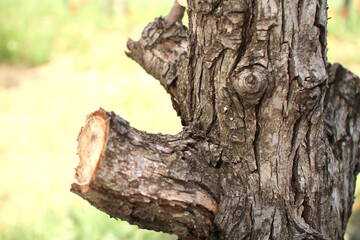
[(59, 61)]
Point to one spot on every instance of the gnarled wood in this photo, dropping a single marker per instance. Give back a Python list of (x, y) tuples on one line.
[(162, 52), (342, 125), (270, 148), (158, 182)]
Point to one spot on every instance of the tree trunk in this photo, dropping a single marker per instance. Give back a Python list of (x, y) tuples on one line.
[(270, 145)]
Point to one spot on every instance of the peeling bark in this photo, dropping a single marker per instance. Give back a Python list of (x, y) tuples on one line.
[(270, 146)]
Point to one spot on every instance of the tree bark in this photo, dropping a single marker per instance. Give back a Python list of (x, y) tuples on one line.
[(270, 146)]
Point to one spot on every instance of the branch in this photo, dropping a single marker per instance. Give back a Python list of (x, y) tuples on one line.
[(342, 125), (162, 52), (157, 182)]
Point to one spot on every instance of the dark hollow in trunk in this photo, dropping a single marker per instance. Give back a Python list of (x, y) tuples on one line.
[(270, 144)]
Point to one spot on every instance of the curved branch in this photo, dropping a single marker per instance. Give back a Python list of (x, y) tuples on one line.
[(162, 52), (157, 182), (342, 124)]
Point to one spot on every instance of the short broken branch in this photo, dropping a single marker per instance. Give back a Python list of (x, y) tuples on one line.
[(162, 52), (176, 14), (162, 43), (157, 182)]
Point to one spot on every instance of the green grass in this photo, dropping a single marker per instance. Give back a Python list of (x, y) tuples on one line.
[(33, 30), (79, 223), (28, 30)]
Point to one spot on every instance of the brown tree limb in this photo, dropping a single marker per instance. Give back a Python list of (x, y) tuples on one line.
[(176, 13), (162, 52), (342, 124), (157, 182)]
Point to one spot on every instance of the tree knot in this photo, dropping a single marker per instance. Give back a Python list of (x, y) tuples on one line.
[(251, 83)]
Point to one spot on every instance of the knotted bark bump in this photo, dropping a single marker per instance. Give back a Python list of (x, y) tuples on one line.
[(251, 84)]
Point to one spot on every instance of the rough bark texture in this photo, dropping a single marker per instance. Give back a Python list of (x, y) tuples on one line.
[(270, 146), (148, 179)]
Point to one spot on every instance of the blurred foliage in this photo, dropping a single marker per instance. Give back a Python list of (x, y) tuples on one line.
[(344, 21), (43, 107), (27, 29), (32, 30), (344, 34), (79, 224)]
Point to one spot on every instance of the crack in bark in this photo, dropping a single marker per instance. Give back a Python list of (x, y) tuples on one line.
[(299, 10), (246, 39), (256, 142), (308, 144), (283, 27), (322, 29), (271, 237)]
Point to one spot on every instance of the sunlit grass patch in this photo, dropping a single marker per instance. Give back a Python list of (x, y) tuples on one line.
[(78, 222)]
